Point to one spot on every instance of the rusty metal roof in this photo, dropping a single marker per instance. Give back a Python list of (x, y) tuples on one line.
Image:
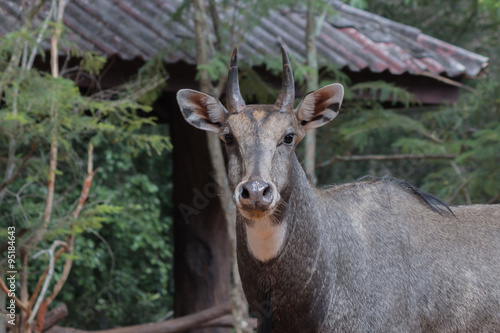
[(353, 39)]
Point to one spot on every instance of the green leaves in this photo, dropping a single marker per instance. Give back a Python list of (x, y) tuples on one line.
[(36, 110), (384, 92), (92, 63), (216, 68), (123, 269)]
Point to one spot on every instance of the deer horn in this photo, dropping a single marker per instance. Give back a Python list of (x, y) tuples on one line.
[(235, 102), (286, 98)]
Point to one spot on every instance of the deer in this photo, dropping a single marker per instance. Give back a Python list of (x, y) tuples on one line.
[(375, 255)]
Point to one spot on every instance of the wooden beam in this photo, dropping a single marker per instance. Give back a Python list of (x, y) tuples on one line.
[(180, 324)]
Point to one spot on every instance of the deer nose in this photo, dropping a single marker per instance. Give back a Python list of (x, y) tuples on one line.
[(256, 194)]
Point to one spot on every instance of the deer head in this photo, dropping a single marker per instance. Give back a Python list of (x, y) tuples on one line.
[(260, 140)]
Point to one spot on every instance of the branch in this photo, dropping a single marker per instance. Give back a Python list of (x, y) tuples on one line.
[(45, 278), (180, 324), (9, 71), (397, 157), (461, 186), (54, 41), (86, 184), (71, 238), (54, 315), (38, 235), (239, 307), (446, 80), (19, 304), (24, 283), (312, 84), (39, 38), (494, 199), (50, 251), (40, 317), (228, 321), (201, 45), (42, 279), (108, 94), (458, 189), (9, 181), (30, 15), (234, 18)]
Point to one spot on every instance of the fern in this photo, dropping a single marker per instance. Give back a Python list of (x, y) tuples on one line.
[(384, 92)]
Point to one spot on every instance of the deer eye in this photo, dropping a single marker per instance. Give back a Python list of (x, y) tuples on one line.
[(288, 139), (227, 138)]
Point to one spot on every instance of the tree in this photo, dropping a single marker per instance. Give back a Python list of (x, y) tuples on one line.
[(43, 113), (467, 129), (225, 225), (312, 84)]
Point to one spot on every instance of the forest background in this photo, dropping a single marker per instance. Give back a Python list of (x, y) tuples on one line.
[(110, 198)]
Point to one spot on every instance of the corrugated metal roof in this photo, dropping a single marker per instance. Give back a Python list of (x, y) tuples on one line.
[(353, 39)]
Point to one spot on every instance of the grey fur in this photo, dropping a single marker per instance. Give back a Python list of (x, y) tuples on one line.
[(377, 255), (373, 256)]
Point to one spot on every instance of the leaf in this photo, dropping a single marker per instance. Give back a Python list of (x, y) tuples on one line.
[(384, 91)]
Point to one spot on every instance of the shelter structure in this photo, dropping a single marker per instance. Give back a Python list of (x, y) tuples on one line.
[(366, 46)]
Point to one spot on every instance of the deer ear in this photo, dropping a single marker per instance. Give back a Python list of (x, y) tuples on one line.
[(201, 110), (320, 106)]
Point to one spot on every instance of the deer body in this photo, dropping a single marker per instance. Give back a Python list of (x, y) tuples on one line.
[(382, 261), (370, 256)]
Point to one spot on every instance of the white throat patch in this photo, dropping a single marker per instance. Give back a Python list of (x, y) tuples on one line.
[(265, 239)]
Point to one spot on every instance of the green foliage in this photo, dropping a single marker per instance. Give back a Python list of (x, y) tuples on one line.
[(92, 63), (473, 132), (361, 4), (255, 88), (124, 216), (468, 129), (216, 68), (384, 92), (122, 273)]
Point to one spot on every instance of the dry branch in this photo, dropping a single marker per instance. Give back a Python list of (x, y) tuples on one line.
[(38, 235), (45, 286), (40, 318), (494, 199), (19, 304), (71, 238), (227, 321), (68, 248), (195, 320), (447, 81), (55, 315), (397, 157), (86, 184), (42, 279)]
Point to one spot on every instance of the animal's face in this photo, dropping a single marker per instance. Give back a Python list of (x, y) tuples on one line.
[(260, 139), (260, 142)]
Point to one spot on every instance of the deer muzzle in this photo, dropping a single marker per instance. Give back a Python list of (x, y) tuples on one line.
[(255, 198)]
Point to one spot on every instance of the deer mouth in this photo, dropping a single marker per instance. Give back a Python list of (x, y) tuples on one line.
[(255, 214)]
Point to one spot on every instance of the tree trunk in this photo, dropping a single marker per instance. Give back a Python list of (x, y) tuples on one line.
[(312, 84), (240, 307), (3, 309), (202, 249)]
